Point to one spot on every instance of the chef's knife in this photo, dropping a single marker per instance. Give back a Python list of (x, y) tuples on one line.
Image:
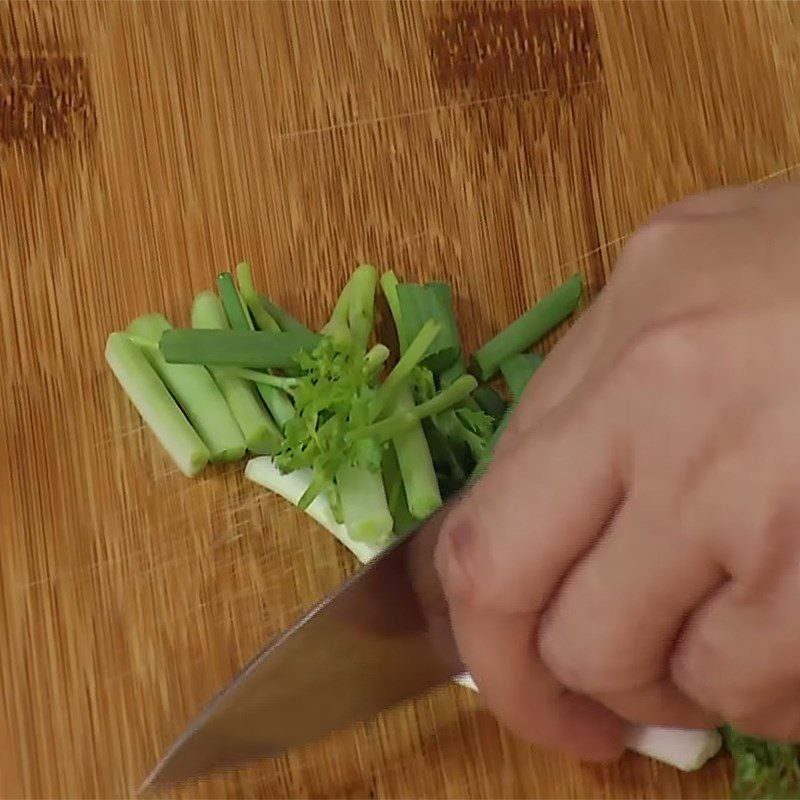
[(382, 638)]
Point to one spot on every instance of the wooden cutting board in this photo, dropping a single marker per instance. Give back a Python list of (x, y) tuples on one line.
[(143, 148)]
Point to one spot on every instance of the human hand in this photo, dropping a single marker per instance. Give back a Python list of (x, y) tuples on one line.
[(632, 555)]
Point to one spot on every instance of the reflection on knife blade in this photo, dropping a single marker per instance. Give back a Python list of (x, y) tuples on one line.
[(382, 638)]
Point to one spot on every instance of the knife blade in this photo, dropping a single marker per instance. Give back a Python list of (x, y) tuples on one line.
[(382, 638)]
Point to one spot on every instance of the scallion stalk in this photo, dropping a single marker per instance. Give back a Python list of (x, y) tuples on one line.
[(260, 433), (528, 329), (156, 405), (196, 392)]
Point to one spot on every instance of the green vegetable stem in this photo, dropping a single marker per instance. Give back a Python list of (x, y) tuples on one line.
[(528, 329), (196, 392)]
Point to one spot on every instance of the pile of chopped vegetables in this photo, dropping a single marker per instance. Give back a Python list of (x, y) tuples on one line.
[(366, 444), (380, 446)]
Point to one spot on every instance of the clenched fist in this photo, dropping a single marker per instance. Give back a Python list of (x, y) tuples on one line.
[(632, 555)]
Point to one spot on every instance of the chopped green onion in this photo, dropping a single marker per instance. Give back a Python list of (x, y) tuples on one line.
[(364, 504), (260, 433), (528, 329), (518, 370), (441, 401), (232, 302), (353, 313), (488, 454), (432, 301), (276, 400), (196, 392), (415, 461), (285, 320), (156, 405), (236, 348), (402, 370), (453, 372), (361, 307), (490, 402), (377, 356), (396, 493), (247, 290), (262, 378), (763, 769), (389, 284), (293, 487)]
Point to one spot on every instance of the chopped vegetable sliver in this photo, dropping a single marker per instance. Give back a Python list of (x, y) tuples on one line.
[(420, 304), (518, 370), (247, 290), (402, 370), (441, 401), (232, 302), (364, 504), (285, 320), (528, 329), (490, 402), (156, 405), (292, 487), (250, 349), (196, 392), (260, 433), (415, 462)]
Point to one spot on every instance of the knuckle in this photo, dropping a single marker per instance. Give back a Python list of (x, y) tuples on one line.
[(463, 557), (655, 237), (671, 352), (582, 666), (705, 677)]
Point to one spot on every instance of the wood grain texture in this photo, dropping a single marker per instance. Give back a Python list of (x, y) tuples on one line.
[(145, 146)]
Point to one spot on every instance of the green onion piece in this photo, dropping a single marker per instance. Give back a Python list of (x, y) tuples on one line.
[(262, 378), (196, 392), (396, 493), (234, 305), (285, 320), (410, 447), (453, 372), (415, 461), (260, 433), (441, 401), (488, 453), (292, 487), (518, 370), (364, 504), (389, 284), (763, 770), (248, 292), (237, 348), (490, 402), (156, 405), (433, 301), (353, 313), (377, 356), (361, 306), (528, 329), (415, 352), (276, 400)]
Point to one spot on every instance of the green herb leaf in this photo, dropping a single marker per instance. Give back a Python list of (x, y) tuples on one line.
[(764, 770), (419, 304)]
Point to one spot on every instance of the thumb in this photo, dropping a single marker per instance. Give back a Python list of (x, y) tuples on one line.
[(503, 551)]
